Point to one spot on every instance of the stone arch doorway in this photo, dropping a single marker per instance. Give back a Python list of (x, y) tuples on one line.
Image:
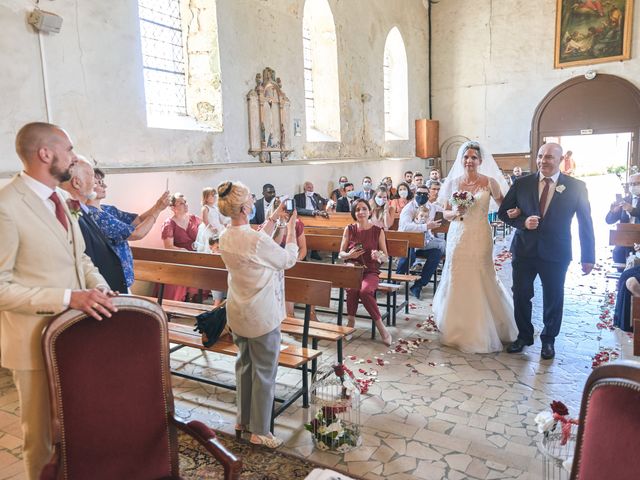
[(605, 104)]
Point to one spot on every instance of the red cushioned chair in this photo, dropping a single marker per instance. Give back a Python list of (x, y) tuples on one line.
[(112, 407), (610, 424)]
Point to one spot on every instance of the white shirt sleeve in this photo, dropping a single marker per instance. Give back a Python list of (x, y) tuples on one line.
[(406, 223), (272, 255)]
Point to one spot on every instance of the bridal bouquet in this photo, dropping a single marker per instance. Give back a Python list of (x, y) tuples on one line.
[(462, 198)]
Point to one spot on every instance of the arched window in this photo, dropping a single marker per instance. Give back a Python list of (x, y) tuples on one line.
[(321, 92), (396, 85), (181, 64)]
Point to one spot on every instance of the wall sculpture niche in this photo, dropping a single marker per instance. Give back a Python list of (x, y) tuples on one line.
[(268, 118)]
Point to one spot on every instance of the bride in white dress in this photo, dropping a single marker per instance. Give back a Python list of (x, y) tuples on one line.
[(472, 308)]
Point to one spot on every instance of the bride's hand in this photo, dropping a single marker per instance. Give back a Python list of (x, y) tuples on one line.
[(514, 212), (460, 210)]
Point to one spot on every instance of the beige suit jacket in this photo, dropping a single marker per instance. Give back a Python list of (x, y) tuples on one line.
[(38, 261)]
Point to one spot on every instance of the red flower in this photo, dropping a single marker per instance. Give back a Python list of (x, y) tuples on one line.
[(339, 370), (559, 408)]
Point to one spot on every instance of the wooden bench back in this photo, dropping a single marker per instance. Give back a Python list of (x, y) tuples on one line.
[(624, 238), (415, 239), (330, 243), (629, 227), (300, 290), (340, 276)]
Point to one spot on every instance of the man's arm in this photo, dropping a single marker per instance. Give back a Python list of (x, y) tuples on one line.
[(585, 227), (406, 223), (15, 297), (509, 202)]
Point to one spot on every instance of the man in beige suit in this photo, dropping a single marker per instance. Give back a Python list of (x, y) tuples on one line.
[(43, 271)]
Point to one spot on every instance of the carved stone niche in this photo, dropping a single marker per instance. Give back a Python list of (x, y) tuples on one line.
[(268, 118)]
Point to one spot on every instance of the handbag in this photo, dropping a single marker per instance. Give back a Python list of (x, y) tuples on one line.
[(211, 325)]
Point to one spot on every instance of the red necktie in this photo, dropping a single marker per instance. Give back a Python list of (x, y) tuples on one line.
[(62, 218), (545, 194)]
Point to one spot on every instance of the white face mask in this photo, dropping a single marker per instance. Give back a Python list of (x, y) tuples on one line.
[(403, 194), (635, 190), (309, 194), (92, 196), (366, 186), (380, 201)]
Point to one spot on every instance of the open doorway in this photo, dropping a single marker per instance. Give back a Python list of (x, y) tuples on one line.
[(598, 154)]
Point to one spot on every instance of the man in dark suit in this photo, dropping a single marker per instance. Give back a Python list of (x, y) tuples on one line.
[(98, 247), (626, 210), (344, 203), (541, 245), (263, 205), (308, 202)]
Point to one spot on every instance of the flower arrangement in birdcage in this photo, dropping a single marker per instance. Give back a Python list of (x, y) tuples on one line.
[(462, 199), (557, 447), (336, 423)]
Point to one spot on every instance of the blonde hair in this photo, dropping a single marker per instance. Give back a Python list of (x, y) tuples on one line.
[(377, 212), (206, 192), (231, 197)]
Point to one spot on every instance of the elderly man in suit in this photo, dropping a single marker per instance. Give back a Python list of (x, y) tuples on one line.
[(39, 280), (547, 200), (100, 250), (308, 202)]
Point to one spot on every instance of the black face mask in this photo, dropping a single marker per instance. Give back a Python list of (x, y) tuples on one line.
[(421, 198)]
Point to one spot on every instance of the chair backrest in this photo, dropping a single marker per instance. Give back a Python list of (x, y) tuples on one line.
[(110, 387), (609, 424)]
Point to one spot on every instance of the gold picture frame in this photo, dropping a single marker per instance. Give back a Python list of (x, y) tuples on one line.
[(592, 31)]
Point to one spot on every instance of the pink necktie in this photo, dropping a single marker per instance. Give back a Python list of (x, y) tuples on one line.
[(62, 218), (545, 194)]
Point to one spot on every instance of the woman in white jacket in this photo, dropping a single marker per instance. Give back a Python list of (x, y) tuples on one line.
[(255, 306)]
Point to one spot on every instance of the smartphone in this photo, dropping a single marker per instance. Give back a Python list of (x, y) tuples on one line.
[(166, 187), (438, 217), (289, 206), (618, 197)]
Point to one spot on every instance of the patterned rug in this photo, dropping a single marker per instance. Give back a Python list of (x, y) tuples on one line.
[(258, 463)]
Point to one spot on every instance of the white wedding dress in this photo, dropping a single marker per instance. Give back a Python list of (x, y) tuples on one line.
[(472, 308)]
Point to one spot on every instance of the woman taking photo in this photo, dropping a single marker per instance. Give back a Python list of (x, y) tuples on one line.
[(364, 244), (255, 306)]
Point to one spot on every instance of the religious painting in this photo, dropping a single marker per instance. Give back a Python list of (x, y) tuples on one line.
[(592, 31)]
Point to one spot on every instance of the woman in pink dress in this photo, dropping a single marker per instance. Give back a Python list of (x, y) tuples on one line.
[(364, 244), (179, 232)]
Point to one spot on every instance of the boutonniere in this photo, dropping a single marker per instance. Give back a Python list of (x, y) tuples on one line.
[(560, 188), (74, 208)]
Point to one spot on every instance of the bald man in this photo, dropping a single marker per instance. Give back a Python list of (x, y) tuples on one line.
[(97, 246), (43, 271), (541, 246)]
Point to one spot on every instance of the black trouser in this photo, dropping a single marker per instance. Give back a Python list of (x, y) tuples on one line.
[(552, 276)]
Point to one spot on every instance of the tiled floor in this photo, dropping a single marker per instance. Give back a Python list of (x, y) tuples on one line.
[(433, 412)]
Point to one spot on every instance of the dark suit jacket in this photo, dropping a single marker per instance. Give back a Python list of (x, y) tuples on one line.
[(259, 218), (301, 203), (342, 205), (622, 216), (102, 254), (551, 241)]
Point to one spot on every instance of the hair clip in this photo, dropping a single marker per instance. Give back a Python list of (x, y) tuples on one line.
[(227, 190)]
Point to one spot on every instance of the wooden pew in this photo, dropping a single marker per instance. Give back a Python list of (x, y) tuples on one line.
[(334, 220), (395, 248), (635, 321), (309, 292), (415, 239), (340, 276)]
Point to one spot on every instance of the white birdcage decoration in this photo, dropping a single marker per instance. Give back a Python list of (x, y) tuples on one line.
[(335, 406), (556, 457)]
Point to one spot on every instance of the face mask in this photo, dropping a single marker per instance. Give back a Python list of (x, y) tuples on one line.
[(403, 194), (92, 196), (309, 194), (253, 213), (366, 185), (342, 184), (351, 194), (380, 201), (421, 198), (635, 190)]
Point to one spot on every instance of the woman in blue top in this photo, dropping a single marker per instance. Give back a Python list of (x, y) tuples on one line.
[(119, 226)]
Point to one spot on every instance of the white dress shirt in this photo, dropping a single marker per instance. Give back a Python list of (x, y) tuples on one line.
[(256, 264), (408, 213)]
